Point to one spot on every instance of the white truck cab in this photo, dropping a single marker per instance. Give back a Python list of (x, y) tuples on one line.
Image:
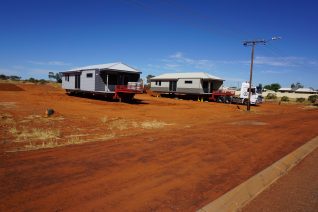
[(255, 97)]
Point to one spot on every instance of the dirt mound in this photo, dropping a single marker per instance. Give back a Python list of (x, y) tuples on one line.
[(10, 87)]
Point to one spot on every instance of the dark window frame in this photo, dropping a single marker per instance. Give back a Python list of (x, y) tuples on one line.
[(89, 75), (188, 82)]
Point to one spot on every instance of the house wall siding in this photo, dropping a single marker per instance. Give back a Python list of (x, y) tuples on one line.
[(99, 83), (88, 84), (68, 84), (196, 84)]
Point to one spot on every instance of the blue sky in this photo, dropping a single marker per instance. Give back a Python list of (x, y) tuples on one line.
[(162, 36)]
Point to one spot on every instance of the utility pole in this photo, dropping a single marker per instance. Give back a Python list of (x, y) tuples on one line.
[(253, 43)]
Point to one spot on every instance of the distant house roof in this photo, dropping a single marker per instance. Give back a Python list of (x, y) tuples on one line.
[(285, 89), (188, 75), (107, 66), (305, 90)]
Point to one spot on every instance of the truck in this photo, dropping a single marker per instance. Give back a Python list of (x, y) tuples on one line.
[(228, 96)]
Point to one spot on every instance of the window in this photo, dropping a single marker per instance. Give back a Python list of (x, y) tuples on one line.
[(67, 77), (89, 75), (188, 82), (159, 83), (156, 82)]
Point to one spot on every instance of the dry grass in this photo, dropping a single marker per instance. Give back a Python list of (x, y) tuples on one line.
[(56, 85), (7, 105), (104, 120), (119, 123), (152, 124), (13, 131), (75, 140), (9, 122), (6, 119), (52, 143), (310, 107), (38, 134), (41, 119), (249, 122), (104, 137), (124, 124)]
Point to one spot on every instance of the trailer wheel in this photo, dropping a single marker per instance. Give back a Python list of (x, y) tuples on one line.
[(227, 100), (219, 99)]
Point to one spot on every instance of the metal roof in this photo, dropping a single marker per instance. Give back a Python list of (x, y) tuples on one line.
[(119, 66), (186, 75), (309, 90), (285, 89)]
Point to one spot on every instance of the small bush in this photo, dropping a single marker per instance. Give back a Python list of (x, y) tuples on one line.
[(301, 100), (271, 96), (312, 98), (42, 81), (284, 99)]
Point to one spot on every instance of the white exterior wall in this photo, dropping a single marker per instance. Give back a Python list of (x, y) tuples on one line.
[(164, 84), (87, 84), (68, 84), (196, 83)]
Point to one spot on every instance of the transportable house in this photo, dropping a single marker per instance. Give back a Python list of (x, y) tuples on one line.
[(111, 79), (196, 83)]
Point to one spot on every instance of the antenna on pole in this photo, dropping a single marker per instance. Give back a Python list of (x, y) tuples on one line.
[(253, 43)]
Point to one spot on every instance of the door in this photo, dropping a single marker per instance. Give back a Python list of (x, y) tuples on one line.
[(205, 86), (77, 81), (211, 87), (173, 86)]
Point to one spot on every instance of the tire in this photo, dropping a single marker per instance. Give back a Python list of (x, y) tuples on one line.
[(220, 99)]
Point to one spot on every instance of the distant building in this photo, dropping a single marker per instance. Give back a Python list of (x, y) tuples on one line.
[(306, 91), (286, 90)]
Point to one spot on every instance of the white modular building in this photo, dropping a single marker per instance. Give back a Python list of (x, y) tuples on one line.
[(200, 83), (109, 79)]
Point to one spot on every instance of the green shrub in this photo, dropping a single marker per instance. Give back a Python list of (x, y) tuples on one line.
[(301, 99), (271, 96), (31, 79), (284, 99), (42, 81), (312, 98)]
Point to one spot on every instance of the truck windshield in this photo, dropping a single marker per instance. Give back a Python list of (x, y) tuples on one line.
[(253, 90)]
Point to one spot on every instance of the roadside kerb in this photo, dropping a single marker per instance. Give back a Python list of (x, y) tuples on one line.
[(239, 196)]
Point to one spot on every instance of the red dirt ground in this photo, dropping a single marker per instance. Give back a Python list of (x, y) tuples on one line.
[(204, 150)]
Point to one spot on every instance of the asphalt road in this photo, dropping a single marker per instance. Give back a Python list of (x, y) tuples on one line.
[(296, 191)]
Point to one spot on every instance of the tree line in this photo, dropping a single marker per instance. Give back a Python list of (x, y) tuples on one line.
[(54, 76), (276, 86)]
